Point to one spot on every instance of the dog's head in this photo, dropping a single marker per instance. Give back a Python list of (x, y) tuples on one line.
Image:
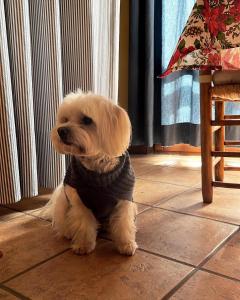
[(89, 125)]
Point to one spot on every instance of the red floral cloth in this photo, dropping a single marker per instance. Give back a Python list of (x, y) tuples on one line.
[(210, 39)]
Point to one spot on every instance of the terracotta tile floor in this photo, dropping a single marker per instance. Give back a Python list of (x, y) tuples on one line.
[(187, 250)]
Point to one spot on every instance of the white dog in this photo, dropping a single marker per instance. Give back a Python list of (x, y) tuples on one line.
[(98, 186)]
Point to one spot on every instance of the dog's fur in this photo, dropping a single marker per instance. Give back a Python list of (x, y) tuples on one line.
[(98, 147)]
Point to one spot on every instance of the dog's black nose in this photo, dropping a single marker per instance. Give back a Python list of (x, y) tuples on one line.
[(63, 132)]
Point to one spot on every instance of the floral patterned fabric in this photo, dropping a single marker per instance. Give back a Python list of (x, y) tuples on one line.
[(210, 39)]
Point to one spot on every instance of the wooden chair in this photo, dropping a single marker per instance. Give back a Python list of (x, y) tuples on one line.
[(215, 89)]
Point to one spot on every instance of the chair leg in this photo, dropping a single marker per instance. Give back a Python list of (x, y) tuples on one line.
[(219, 140), (206, 139)]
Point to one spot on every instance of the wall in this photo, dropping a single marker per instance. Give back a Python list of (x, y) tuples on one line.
[(123, 54)]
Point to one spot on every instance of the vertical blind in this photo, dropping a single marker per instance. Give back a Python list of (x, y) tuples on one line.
[(47, 49)]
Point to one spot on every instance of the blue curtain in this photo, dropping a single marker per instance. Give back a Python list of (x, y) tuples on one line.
[(163, 111), (180, 91), (179, 96), (180, 99)]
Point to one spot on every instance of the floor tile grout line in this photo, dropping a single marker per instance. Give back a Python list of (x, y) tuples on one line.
[(19, 210), (179, 285), (218, 247), (197, 216), (157, 254), (209, 256), (170, 197), (220, 274), (39, 218), (190, 275), (25, 214), (149, 207), (195, 186), (12, 210), (167, 258), (198, 169), (185, 213), (153, 166), (13, 292), (167, 197), (33, 266), (154, 206), (185, 191), (157, 205), (199, 267), (192, 188), (12, 218), (172, 291), (187, 186)]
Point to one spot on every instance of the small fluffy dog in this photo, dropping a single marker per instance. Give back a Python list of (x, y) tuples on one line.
[(98, 186)]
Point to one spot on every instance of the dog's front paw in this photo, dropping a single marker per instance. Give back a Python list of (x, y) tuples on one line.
[(128, 248), (84, 247)]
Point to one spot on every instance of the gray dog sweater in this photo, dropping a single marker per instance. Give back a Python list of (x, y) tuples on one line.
[(100, 192)]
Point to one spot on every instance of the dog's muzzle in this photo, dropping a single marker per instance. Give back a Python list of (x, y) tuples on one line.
[(64, 134)]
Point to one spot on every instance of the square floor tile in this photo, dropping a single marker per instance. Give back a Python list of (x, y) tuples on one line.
[(225, 205), (7, 214), (104, 274), (227, 260), (186, 238), (178, 176), (151, 192), (24, 242), (205, 286), (6, 296)]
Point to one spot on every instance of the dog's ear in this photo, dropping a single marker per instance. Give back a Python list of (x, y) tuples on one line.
[(118, 132)]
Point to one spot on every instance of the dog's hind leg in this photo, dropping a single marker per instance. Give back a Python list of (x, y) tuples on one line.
[(123, 227), (55, 210), (81, 223)]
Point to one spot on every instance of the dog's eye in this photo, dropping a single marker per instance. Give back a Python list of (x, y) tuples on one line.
[(86, 120), (64, 120)]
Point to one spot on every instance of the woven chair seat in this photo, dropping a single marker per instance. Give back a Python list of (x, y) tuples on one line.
[(228, 92)]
